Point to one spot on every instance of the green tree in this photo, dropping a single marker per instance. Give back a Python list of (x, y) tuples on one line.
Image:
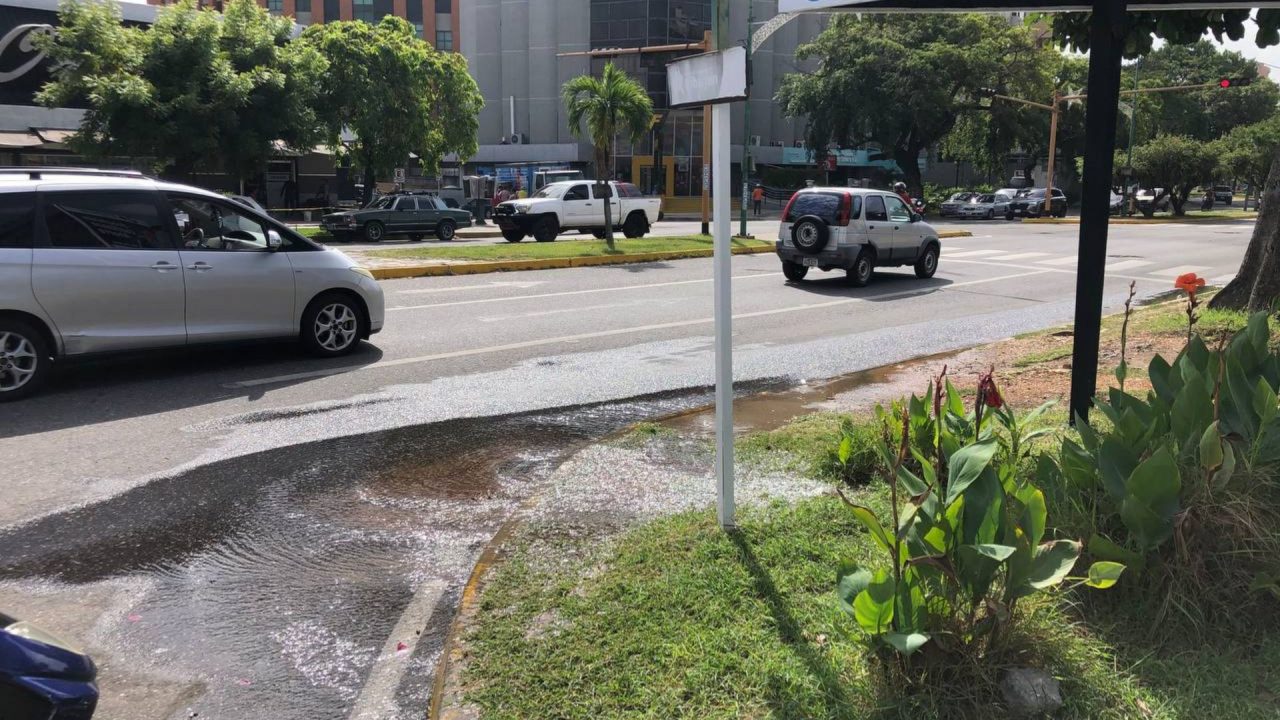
[(396, 94), (1257, 284), (1245, 153), (1177, 165), (903, 81), (195, 90), (607, 106)]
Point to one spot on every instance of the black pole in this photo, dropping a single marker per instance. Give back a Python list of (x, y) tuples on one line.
[(1106, 46)]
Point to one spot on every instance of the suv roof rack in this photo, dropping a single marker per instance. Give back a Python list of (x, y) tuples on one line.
[(37, 173)]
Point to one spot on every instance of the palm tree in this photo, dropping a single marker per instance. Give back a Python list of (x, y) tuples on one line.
[(611, 104)]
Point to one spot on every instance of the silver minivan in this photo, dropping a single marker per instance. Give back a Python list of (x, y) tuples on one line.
[(854, 230), (106, 261)]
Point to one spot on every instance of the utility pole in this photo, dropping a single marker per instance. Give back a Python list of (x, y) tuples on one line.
[(746, 127), (708, 42), (1133, 132), (722, 267), (1053, 152)]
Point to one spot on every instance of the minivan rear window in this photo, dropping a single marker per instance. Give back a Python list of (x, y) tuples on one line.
[(825, 205), (16, 212)]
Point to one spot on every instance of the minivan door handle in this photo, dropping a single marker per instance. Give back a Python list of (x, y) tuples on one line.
[(200, 266)]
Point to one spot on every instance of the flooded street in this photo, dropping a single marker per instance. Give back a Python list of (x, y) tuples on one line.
[(278, 579)]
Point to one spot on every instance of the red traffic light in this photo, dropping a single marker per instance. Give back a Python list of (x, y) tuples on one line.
[(1234, 82), (1224, 82)]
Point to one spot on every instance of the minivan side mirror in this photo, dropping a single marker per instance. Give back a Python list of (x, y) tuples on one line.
[(916, 217), (274, 242)]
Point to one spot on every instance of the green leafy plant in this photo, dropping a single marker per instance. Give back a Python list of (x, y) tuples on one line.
[(966, 537), (1181, 485)]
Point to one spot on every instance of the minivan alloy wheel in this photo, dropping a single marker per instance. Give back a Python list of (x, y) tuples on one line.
[(336, 327), (18, 361)]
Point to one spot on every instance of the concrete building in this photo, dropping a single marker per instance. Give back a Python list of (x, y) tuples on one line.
[(512, 47), (435, 20)]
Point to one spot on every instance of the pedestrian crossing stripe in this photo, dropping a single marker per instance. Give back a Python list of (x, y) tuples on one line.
[(1069, 260), (1127, 264), (1023, 256), (1176, 271), (972, 254)]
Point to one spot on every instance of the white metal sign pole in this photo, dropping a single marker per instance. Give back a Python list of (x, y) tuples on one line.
[(720, 173)]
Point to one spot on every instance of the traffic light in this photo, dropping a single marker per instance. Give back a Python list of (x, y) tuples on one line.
[(1234, 82)]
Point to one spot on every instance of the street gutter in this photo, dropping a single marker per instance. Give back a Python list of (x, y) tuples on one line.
[(475, 268)]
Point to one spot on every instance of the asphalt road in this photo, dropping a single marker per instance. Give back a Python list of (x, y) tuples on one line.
[(317, 503)]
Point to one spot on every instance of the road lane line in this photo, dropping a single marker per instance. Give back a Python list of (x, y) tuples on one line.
[(567, 293), (1068, 260), (1023, 256), (970, 253), (1128, 264), (577, 308), (1176, 271), (377, 697), (486, 286), (611, 333)]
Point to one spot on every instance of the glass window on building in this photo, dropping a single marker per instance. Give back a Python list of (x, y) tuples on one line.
[(417, 28), (444, 7), (363, 10), (275, 6), (302, 6), (444, 40)]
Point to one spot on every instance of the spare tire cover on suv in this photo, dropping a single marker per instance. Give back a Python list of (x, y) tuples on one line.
[(810, 234)]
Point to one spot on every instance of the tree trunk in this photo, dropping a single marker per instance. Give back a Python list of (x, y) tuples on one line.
[(603, 191), (1257, 284), (370, 180), (908, 160)]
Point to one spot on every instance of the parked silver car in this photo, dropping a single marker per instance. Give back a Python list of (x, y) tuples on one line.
[(100, 261), (856, 231), (985, 207)]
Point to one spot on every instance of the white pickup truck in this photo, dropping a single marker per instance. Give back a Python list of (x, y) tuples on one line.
[(577, 205)]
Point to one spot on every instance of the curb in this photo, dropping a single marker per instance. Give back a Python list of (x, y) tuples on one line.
[(475, 268), (1141, 221)]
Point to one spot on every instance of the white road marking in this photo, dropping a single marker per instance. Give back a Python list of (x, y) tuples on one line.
[(1222, 279), (1176, 271), (971, 253), (609, 333), (376, 699), (566, 293), (1022, 256), (1069, 260), (487, 286), (580, 308), (1128, 264)]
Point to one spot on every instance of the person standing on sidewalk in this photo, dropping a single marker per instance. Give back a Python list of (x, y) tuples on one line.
[(757, 200)]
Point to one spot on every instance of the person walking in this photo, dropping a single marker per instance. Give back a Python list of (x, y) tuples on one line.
[(757, 200)]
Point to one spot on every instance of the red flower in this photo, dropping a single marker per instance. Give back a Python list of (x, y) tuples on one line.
[(988, 392), (1190, 282)]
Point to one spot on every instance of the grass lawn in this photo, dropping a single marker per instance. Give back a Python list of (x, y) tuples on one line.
[(558, 249), (677, 618)]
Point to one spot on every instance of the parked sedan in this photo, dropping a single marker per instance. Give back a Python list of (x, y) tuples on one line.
[(951, 208), (400, 214), (984, 207), (1031, 204)]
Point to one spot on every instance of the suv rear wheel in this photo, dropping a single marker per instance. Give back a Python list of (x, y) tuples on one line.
[(860, 274), (24, 360), (636, 226), (794, 272)]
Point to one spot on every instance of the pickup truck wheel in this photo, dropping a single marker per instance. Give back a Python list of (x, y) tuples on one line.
[(860, 274), (374, 231), (446, 230), (546, 229), (927, 265), (512, 235), (794, 272), (635, 226), (598, 234)]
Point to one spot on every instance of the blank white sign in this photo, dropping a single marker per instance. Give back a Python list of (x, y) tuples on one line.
[(708, 79)]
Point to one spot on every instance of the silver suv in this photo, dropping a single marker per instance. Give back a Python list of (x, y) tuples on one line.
[(104, 261), (854, 230)]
